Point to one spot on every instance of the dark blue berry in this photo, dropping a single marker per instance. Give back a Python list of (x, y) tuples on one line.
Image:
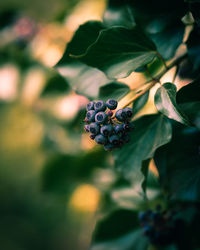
[(90, 106), (100, 106), (121, 115), (101, 139), (111, 104), (149, 230), (106, 130), (92, 137), (87, 128), (118, 128), (90, 116), (129, 112), (94, 128), (143, 216), (114, 139), (109, 147), (101, 117), (128, 127), (110, 113)]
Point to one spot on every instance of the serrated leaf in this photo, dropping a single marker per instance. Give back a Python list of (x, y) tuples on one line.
[(133, 240), (83, 79), (165, 101), (178, 164), (119, 51), (140, 102), (151, 132), (114, 90)]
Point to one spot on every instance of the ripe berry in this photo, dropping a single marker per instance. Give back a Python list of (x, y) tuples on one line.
[(121, 115), (92, 137), (109, 147), (101, 139), (87, 128), (94, 128), (100, 106), (90, 116), (110, 113), (90, 106), (106, 130), (129, 112), (101, 117), (118, 128), (111, 104), (114, 139), (128, 127)]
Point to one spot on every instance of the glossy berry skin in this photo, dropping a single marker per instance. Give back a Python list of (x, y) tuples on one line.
[(109, 147), (87, 128), (101, 117), (111, 104), (90, 116), (101, 139), (106, 130), (92, 137), (128, 127), (121, 115), (100, 106), (94, 128), (90, 106), (128, 111), (118, 128), (110, 113), (114, 139)]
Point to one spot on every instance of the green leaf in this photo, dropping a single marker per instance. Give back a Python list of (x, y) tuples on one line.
[(114, 90), (168, 40), (189, 93), (83, 79), (118, 15), (192, 110), (133, 240), (119, 51), (178, 164), (151, 132), (145, 170), (165, 101), (55, 85), (140, 102), (193, 46)]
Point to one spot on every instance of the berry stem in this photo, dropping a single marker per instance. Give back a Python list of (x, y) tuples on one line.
[(156, 79)]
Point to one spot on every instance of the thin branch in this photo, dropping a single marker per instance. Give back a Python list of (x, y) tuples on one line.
[(162, 60)]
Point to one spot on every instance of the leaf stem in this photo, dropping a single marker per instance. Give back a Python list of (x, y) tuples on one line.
[(155, 80), (162, 60)]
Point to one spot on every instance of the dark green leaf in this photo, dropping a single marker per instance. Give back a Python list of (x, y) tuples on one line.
[(195, 10), (178, 164), (118, 15), (193, 46), (140, 102), (119, 51), (134, 240), (108, 228), (115, 90), (151, 132), (55, 85), (168, 40), (192, 110), (82, 78), (145, 170), (189, 93), (165, 101)]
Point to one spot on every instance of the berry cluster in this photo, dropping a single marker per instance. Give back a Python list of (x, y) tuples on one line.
[(105, 128), (161, 227)]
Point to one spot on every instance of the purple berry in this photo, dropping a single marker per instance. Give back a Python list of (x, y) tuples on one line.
[(128, 111), (100, 106), (94, 128), (87, 128), (118, 128), (114, 139), (109, 147), (101, 117), (106, 130), (90, 106), (90, 116), (121, 115), (92, 137), (111, 104), (101, 139), (128, 127), (110, 113)]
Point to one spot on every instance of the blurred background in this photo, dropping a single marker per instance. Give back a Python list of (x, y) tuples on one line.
[(55, 182)]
